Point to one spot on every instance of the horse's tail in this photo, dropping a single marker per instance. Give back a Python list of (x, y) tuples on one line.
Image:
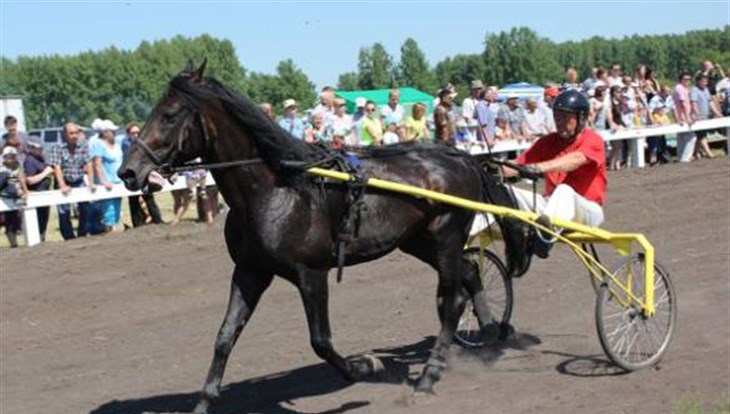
[(514, 232)]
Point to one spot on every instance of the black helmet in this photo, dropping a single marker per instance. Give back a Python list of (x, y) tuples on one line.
[(572, 100)]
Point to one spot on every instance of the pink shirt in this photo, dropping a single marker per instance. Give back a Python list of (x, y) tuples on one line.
[(682, 104)]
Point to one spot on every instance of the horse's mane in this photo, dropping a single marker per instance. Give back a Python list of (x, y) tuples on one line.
[(272, 143)]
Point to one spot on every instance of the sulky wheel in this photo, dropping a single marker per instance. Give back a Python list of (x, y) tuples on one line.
[(630, 338), (498, 287)]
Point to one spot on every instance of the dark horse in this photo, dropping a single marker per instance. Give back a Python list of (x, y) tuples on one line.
[(284, 221)]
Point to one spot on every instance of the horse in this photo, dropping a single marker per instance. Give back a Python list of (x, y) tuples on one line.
[(285, 222)]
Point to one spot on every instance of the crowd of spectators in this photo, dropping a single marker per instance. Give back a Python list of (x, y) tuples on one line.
[(484, 119), (85, 162)]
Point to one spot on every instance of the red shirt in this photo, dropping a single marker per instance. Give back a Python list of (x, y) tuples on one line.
[(588, 180)]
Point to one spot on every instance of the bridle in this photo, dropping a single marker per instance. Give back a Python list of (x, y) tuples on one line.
[(167, 169)]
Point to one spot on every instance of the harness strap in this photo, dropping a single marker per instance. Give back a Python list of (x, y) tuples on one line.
[(350, 224)]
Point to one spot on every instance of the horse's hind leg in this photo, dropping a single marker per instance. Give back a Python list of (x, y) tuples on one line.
[(246, 290), (475, 289), (314, 291)]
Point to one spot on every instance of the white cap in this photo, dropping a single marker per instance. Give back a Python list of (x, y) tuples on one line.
[(360, 102), (9, 151)]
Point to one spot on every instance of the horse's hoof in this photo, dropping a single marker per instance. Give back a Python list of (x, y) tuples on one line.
[(365, 367)]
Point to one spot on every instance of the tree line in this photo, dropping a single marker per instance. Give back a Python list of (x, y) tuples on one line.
[(122, 85)]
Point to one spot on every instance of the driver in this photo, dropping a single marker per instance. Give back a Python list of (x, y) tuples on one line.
[(573, 162)]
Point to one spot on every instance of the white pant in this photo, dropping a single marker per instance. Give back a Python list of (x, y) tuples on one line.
[(564, 203)]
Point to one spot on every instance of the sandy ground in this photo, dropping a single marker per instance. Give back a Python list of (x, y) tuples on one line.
[(125, 324)]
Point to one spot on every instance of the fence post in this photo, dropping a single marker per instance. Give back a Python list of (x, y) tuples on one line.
[(30, 227), (637, 152)]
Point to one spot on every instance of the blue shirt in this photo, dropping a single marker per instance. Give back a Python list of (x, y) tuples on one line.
[(294, 126), (111, 159), (486, 119), (702, 97)]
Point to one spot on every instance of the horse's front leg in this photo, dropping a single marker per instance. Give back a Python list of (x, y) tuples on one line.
[(246, 290), (312, 285), (450, 303)]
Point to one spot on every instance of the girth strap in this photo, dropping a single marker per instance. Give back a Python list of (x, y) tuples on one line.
[(350, 224)]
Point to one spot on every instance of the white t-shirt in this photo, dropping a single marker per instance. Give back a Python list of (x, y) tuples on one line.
[(390, 138), (468, 106)]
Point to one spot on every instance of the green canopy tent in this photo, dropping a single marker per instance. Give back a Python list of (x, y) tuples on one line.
[(408, 98)]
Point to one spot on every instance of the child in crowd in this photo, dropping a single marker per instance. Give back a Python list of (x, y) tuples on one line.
[(464, 137), (658, 144), (12, 185), (391, 131), (502, 132)]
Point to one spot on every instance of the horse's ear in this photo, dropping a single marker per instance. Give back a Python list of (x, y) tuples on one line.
[(190, 67), (198, 74)]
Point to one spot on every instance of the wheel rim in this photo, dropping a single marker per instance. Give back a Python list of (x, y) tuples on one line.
[(498, 291), (631, 339)]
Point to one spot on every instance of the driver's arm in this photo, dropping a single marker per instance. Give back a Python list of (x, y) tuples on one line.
[(566, 163)]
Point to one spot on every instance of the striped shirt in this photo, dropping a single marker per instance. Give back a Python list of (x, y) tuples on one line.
[(73, 164)]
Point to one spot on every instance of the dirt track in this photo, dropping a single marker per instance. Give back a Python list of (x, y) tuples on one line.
[(125, 324)]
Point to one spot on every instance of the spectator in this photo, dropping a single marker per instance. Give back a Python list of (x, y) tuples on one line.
[(469, 104), (195, 185), (268, 109), (70, 162), (658, 144), (650, 85), (136, 203), (502, 131), (290, 122), (390, 136), (723, 91), (15, 138), (463, 138), (416, 128), (683, 115), (357, 120), (326, 103), (486, 121), (571, 80), (38, 178), (549, 95), (342, 122), (616, 123), (106, 157), (590, 83), (12, 185), (614, 78), (443, 116), (492, 99), (700, 98), (515, 115), (371, 132), (393, 109), (599, 109), (714, 75), (448, 86), (315, 130), (536, 123)]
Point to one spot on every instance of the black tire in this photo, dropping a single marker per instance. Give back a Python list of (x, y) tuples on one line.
[(498, 287), (631, 339)]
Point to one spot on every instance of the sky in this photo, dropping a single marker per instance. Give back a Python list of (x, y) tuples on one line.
[(323, 37)]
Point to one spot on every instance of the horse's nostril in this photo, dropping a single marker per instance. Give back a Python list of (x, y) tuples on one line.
[(129, 178)]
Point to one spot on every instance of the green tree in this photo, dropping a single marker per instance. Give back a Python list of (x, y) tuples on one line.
[(520, 55), (348, 81), (413, 69), (289, 82), (375, 68)]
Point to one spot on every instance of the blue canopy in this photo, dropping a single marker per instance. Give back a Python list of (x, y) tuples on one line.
[(522, 90)]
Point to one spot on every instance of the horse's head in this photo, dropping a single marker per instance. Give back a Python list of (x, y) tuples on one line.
[(174, 133)]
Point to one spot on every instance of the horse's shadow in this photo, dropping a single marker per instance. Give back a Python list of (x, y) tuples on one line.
[(273, 394)]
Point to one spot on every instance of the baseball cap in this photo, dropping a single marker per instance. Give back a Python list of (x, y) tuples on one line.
[(288, 103), (360, 102), (477, 84), (552, 92), (9, 151), (34, 142)]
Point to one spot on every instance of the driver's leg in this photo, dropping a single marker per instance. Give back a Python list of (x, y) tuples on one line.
[(566, 204)]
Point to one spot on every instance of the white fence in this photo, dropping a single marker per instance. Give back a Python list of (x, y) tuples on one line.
[(636, 137)]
